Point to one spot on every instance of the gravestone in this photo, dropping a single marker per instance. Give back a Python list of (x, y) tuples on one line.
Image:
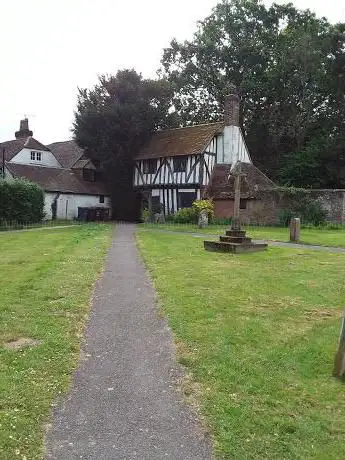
[(295, 229), (203, 219), (339, 361)]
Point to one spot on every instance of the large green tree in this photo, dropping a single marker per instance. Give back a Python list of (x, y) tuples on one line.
[(289, 66), (113, 120)]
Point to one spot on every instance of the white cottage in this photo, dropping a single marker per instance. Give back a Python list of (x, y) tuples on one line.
[(70, 180), (177, 165)]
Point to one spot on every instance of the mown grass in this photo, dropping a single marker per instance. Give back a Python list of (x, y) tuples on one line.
[(46, 279), (258, 333), (316, 236)]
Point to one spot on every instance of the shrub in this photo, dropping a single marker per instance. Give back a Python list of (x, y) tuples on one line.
[(186, 216), (21, 201), (204, 205)]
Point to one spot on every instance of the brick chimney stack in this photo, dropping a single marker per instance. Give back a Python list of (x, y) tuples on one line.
[(24, 131), (232, 108)]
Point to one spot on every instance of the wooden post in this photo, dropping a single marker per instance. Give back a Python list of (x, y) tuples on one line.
[(236, 223), (295, 229), (339, 361)]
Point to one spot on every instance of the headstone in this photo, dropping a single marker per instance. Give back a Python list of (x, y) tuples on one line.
[(159, 218), (203, 219), (295, 229), (339, 361)]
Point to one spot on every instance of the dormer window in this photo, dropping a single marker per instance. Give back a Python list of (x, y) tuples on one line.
[(35, 156)]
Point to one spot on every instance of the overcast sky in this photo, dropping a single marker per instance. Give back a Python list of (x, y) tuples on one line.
[(49, 48)]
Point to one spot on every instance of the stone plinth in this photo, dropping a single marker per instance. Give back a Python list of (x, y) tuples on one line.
[(236, 242)]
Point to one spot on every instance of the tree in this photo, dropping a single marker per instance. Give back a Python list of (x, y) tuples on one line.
[(113, 120), (288, 64)]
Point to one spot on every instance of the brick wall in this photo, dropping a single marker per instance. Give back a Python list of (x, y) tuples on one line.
[(261, 212)]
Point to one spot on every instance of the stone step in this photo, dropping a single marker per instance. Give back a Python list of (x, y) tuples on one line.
[(235, 248), (235, 239), (236, 233)]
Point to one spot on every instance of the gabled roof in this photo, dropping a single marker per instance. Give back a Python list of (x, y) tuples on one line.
[(56, 179), (15, 146), (180, 141), (222, 182), (67, 153)]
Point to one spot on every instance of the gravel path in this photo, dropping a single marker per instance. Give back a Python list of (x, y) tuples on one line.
[(124, 402), (280, 244)]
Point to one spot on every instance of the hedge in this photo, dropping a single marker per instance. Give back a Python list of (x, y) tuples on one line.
[(21, 201)]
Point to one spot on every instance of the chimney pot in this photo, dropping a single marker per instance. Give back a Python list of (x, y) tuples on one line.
[(24, 131)]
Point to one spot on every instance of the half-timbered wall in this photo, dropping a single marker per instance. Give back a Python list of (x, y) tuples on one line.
[(198, 170), (169, 197)]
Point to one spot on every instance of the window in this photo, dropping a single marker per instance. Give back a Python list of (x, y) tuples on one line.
[(180, 164), (101, 198), (243, 203), (89, 175), (35, 156), (185, 199), (150, 166)]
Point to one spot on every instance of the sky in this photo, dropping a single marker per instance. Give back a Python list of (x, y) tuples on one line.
[(50, 48)]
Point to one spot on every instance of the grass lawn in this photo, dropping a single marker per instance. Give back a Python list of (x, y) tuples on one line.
[(322, 237), (46, 280), (257, 334)]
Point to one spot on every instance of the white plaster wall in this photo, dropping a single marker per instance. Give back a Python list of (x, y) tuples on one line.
[(232, 147), (24, 157), (67, 204)]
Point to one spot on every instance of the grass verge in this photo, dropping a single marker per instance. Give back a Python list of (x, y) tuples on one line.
[(258, 333), (46, 280), (316, 236)]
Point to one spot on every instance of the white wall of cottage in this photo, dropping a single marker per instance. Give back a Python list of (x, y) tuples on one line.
[(68, 203), (47, 158), (231, 146)]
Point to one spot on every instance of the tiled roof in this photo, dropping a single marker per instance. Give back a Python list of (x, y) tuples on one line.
[(56, 179), (181, 141), (86, 163), (15, 146), (67, 153), (222, 183)]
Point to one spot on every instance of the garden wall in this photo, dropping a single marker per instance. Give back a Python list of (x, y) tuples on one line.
[(265, 209)]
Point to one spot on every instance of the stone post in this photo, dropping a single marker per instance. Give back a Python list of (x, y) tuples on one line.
[(295, 229)]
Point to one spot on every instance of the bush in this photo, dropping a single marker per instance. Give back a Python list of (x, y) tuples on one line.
[(204, 205), (21, 201), (186, 216), (308, 210)]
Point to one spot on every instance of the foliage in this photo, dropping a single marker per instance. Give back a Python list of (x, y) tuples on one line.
[(289, 66), (21, 201), (204, 205), (257, 334), (145, 215), (298, 202), (186, 216), (113, 120), (46, 280)]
